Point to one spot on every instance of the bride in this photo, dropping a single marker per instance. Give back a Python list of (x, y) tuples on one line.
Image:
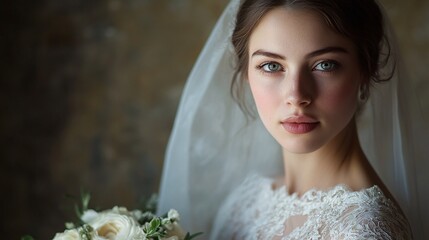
[(323, 78)]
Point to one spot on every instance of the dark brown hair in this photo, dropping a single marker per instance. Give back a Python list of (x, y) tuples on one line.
[(361, 21)]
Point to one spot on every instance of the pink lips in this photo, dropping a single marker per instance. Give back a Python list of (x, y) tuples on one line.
[(299, 124)]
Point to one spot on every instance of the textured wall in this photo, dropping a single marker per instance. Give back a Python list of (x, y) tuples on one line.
[(410, 20), (88, 94), (89, 91)]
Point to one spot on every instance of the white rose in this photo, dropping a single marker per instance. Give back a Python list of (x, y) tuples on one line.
[(120, 210), (72, 234), (112, 225), (89, 215), (173, 215)]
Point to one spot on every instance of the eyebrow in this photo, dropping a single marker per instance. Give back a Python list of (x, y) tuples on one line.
[(268, 54), (327, 50), (312, 54)]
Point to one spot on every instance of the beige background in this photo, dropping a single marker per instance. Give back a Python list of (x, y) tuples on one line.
[(89, 91)]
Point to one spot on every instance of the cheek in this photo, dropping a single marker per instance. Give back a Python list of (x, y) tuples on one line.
[(261, 99), (341, 99), (265, 97)]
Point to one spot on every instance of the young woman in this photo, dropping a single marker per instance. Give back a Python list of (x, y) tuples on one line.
[(309, 65)]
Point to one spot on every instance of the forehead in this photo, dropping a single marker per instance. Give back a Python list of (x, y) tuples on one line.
[(294, 30)]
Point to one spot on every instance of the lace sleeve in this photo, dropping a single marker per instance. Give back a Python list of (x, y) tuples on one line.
[(372, 221)]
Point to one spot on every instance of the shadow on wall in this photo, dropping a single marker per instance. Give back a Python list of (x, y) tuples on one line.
[(36, 85), (89, 90)]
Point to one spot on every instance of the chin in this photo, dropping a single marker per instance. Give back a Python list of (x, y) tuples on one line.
[(299, 147)]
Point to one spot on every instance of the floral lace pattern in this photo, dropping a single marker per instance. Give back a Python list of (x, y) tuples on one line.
[(257, 211)]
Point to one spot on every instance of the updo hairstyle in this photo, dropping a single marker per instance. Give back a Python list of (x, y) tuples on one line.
[(361, 21)]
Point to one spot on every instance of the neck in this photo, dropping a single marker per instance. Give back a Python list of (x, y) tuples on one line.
[(341, 161)]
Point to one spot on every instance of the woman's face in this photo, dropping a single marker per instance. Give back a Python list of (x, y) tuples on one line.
[(304, 78)]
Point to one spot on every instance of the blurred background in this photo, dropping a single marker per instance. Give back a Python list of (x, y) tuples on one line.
[(89, 91)]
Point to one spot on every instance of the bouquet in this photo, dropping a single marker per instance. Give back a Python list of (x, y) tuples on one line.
[(120, 223)]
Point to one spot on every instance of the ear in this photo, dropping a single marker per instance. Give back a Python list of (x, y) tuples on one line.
[(363, 93), (364, 84)]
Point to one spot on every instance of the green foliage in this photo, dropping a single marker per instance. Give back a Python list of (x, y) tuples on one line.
[(85, 232), (190, 237), (27, 237), (84, 201), (154, 229), (153, 226)]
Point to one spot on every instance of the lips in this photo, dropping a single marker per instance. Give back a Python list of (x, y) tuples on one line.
[(299, 124)]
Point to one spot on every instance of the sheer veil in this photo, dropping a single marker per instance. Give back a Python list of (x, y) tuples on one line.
[(214, 145)]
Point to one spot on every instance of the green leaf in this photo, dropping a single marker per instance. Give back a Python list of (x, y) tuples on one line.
[(154, 229), (85, 197), (189, 237), (165, 221), (27, 237), (155, 223), (77, 211)]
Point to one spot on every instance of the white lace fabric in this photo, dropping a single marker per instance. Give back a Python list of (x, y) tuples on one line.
[(257, 211)]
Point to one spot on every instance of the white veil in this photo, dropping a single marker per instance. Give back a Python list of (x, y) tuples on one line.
[(213, 145)]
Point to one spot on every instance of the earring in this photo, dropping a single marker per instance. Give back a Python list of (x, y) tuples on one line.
[(363, 92)]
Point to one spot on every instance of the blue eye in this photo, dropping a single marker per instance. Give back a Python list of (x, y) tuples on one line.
[(326, 66), (271, 67)]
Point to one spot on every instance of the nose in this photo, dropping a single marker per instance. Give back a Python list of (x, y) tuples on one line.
[(298, 90)]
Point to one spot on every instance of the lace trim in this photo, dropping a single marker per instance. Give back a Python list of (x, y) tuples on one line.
[(257, 211), (316, 194)]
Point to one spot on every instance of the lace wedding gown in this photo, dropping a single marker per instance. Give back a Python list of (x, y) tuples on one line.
[(257, 211)]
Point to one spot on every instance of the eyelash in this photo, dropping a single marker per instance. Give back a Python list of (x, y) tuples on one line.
[(265, 64), (262, 66), (335, 66)]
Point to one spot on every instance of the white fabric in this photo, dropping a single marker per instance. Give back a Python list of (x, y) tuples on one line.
[(257, 211), (213, 145), (208, 134)]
